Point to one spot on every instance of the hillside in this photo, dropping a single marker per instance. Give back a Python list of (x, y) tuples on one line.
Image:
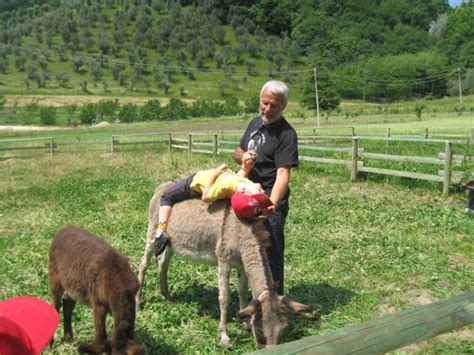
[(213, 49)]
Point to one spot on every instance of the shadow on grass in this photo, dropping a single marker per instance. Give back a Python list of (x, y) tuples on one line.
[(206, 299), (154, 344), (323, 297)]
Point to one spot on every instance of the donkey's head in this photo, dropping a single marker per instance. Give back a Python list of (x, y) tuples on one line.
[(269, 317), (469, 187)]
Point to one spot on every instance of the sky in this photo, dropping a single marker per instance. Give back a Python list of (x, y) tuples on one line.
[(454, 3)]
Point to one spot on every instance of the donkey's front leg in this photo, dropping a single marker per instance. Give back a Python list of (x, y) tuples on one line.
[(243, 296), (224, 277), (146, 260)]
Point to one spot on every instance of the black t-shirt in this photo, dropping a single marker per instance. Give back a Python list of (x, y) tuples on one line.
[(275, 145)]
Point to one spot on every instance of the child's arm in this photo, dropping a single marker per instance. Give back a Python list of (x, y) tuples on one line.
[(243, 172), (220, 169), (246, 166)]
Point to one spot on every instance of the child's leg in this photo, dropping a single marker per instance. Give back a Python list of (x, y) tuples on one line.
[(177, 192), (163, 217)]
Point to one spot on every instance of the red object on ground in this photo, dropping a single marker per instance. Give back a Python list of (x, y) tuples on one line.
[(26, 325)]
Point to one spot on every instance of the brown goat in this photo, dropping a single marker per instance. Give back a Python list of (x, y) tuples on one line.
[(86, 269), (213, 234)]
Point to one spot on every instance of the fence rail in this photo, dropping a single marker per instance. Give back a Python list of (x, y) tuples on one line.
[(357, 157), (388, 333)]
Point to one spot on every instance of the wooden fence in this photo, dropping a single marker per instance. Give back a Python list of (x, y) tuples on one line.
[(354, 156), (388, 333)]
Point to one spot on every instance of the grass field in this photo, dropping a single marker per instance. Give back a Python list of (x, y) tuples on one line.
[(354, 251)]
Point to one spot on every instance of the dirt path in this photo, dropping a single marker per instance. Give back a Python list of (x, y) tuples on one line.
[(27, 128), (55, 100)]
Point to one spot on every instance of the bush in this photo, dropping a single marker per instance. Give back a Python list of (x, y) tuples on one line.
[(47, 115), (88, 113), (231, 105), (252, 105), (175, 110), (151, 111), (419, 107), (107, 108), (206, 108), (128, 113)]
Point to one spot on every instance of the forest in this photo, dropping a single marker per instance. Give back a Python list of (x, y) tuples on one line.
[(375, 50)]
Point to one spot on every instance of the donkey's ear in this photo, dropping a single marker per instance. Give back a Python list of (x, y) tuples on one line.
[(248, 310), (296, 306)]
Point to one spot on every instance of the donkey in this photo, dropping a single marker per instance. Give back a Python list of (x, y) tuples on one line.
[(469, 187), (85, 268), (213, 234)]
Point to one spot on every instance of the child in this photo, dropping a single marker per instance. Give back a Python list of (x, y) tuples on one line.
[(212, 185)]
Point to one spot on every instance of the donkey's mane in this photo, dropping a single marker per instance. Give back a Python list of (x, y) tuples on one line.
[(262, 234)]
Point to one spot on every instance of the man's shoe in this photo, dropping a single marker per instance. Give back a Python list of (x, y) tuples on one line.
[(161, 242)]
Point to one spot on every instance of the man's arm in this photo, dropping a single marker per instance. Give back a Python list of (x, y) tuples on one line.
[(281, 184)]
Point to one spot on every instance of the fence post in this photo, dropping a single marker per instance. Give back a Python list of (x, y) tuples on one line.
[(51, 147), (427, 134), (354, 159), (112, 145), (190, 143), (388, 133), (353, 131), (447, 167), (214, 152), (170, 142)]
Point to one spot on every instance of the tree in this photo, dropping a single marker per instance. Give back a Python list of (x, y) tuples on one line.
[(95, 69), (328, 97), (62, 79), (103, 41), (84, 88), (20, 63), (77, 63), (117, 69)]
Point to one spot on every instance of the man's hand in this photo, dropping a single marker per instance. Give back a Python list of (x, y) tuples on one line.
[(266, 213)]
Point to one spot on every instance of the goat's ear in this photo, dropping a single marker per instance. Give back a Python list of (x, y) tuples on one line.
[(248, 310), (296, 306)]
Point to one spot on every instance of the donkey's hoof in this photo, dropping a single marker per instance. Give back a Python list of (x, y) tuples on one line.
[(226, 343), (247, 326), (94, 348)]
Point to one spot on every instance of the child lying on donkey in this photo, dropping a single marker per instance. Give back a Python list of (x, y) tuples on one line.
[(247, 198)]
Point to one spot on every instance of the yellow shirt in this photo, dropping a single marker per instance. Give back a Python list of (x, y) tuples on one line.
[(224, 186)]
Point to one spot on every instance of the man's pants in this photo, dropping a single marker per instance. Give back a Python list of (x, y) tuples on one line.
[(276, 252)]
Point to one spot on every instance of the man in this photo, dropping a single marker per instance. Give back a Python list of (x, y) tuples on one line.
[(270, 147)]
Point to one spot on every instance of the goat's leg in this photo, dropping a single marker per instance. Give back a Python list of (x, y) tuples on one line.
[(224, 277), (56, 296), (146, 260), (243, 296), (68, 307), (100, 343), (163, 264)]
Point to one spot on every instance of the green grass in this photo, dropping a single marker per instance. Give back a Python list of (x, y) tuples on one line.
[(354, 251)]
